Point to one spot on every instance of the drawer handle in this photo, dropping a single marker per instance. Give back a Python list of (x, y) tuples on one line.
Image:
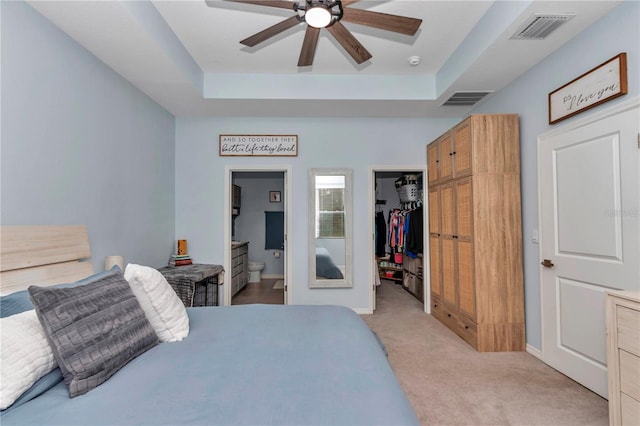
[(435, 305), (449, 315), (466, 327)]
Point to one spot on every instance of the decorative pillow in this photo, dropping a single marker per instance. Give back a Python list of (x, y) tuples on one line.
[(19, 301), (94, 330), (163, 308), (26, 355)]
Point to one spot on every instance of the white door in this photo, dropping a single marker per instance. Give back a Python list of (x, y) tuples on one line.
[(589, 184)]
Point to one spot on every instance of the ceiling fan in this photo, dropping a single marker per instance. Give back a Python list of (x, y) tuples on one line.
[(328, 14)]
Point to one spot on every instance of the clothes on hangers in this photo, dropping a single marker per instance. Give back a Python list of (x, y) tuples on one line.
[(381, 235), (405, 229), (414, 232)]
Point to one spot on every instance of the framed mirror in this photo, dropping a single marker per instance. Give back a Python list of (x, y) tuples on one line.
[(330, 228)]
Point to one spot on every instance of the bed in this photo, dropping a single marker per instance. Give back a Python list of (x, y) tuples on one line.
[(238, 365)]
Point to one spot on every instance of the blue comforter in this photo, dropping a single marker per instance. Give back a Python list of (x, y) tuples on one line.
[(243, 365)]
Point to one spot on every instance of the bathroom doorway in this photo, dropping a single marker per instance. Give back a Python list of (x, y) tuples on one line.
[(256, 254)]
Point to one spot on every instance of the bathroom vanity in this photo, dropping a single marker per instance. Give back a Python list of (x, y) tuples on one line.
[(239, 265)]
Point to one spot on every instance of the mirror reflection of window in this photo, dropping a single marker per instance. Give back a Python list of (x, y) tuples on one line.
[(330, 212)]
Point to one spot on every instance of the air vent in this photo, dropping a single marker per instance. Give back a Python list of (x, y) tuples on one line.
[(465, 98), (540, 25)]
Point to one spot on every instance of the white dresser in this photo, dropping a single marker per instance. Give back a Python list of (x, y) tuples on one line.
[(623, 356)]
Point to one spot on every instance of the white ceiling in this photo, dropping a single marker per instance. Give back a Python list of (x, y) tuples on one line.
[(186, 54)]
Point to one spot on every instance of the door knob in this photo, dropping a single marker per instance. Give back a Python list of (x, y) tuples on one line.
[(547, 263)]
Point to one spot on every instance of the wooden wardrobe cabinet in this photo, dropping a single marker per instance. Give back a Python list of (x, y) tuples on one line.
[(475, 232)]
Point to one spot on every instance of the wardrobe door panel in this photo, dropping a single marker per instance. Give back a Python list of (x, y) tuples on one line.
[(433, 163), (462, 149), (449, 271), (466, 285), (446, 157), (447, 219), (464, 209), (435, 269), (434, 211)]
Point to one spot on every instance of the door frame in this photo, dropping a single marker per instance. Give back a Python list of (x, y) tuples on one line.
[(373, 269), (286, 197)]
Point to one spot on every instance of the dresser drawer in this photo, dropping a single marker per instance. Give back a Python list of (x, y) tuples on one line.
[(629, 374), (628, 329), (630, 410)]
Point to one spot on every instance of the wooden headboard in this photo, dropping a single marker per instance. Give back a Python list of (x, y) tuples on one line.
[(43, 255)]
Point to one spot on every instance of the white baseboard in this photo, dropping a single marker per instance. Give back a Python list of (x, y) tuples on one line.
[(534, 351), (362, 311)]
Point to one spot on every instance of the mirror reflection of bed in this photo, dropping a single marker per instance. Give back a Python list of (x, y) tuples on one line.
[(326, 268)]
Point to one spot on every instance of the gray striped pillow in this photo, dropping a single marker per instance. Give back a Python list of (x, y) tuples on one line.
[(94, 329)]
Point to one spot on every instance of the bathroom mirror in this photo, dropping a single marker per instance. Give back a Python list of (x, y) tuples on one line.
[(330, 228)]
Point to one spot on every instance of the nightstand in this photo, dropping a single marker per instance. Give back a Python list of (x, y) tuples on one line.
[(195, 285)]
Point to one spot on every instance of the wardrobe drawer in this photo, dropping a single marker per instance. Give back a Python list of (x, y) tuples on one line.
[(628, 329), (436, 307), (449, 318), (468, 330)]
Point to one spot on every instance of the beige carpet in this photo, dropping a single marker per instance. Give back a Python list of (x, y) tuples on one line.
[(278, 285), (449, 383)]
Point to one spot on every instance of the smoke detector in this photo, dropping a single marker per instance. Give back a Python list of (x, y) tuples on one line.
[(414, 60)]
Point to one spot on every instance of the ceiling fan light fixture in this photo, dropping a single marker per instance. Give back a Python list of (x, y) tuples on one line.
[(318, 17)]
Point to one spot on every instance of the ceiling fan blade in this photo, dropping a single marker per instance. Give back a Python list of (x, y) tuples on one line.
[(349, 42), (346, 3), (283, 4), (383, 21), (271, 31), (308, 46)]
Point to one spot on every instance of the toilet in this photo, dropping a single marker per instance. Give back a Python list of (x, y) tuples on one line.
[(254, 271)]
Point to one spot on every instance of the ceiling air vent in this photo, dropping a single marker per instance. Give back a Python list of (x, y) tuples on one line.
[(465, 98), (540, 25)]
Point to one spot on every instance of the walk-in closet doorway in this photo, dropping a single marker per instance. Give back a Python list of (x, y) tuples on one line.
[(256, 254), (398, 218)]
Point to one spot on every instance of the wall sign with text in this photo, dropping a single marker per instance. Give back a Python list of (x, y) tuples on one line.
[(601, 84), (258, 145)]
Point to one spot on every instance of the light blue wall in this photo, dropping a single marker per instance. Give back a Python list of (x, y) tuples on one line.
[(323, 142), (80, 145), (527, 96)]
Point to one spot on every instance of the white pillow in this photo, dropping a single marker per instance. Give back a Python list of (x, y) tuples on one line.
[(26, 355), (161, 305)]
